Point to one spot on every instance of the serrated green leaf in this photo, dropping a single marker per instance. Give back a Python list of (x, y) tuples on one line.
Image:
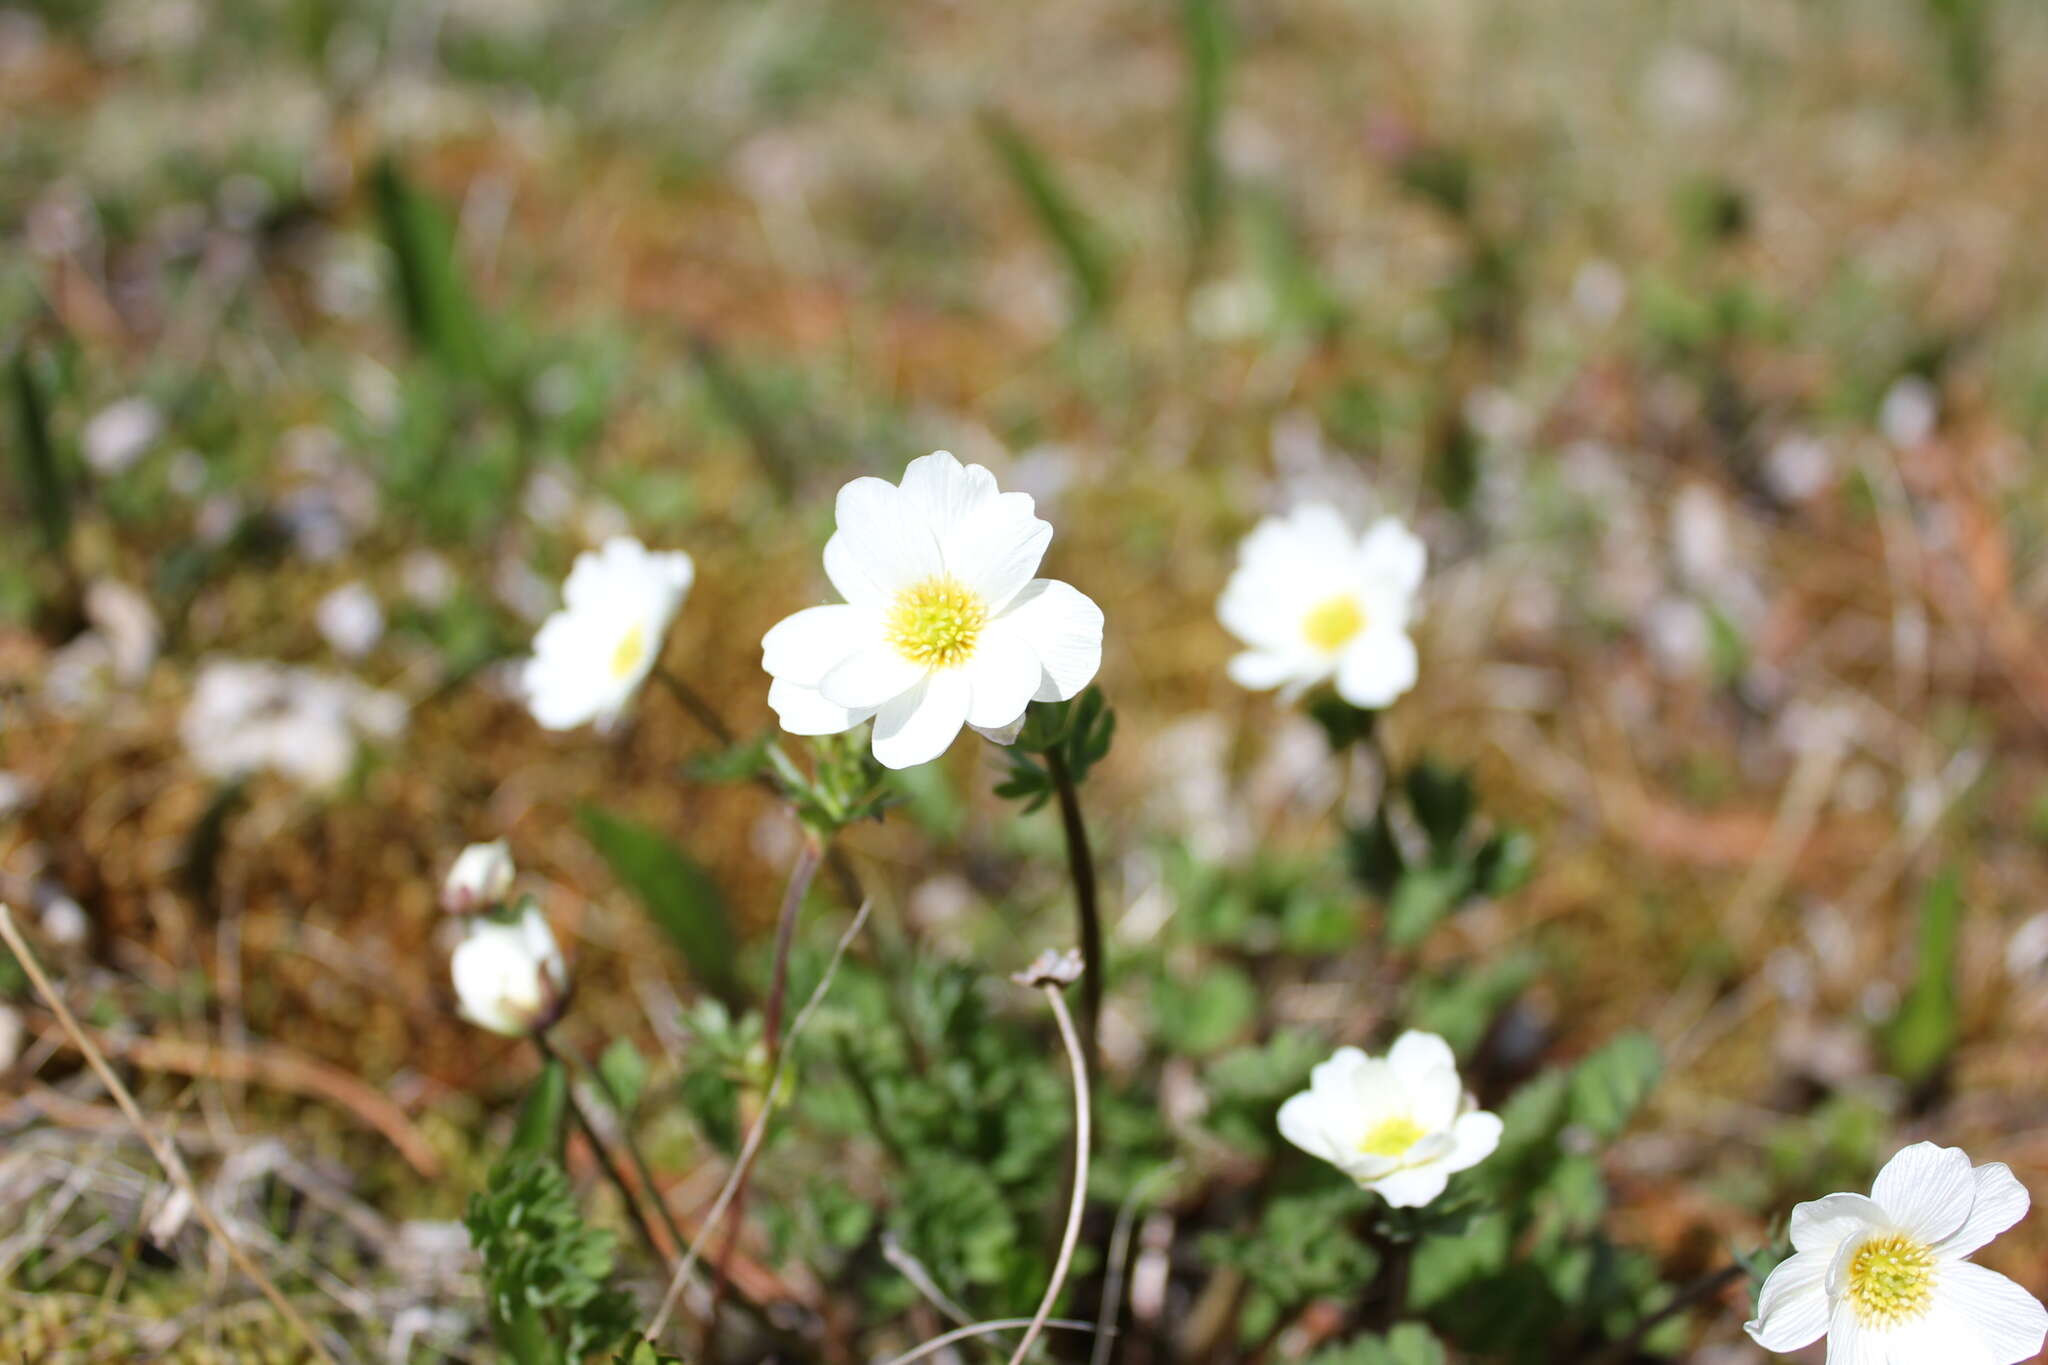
[(1609, 1086), (1446, 1264), (1505, 863), (1422, 898), (677, 893)]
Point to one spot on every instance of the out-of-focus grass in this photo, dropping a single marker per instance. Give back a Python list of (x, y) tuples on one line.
[(1633, 288)]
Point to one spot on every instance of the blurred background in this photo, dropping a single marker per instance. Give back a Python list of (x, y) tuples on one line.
[(1707, 346)]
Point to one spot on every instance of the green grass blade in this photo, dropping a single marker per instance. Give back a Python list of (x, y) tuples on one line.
[(1055, 210), (439, 313), (42, 477), (678, 894), (1206, 30)]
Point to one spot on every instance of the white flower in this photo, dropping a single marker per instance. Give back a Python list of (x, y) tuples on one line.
[(480, 879), (351, 619), (1314, 602), (1888, 1279), (509, 975), (247, 715), (1401, 1125), (590, 657), (943, 623)]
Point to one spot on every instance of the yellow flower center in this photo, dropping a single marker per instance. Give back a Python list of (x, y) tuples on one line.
[(1329, 626), (627, 654), (1391, 1137), (1891, 1280), (936, 623)]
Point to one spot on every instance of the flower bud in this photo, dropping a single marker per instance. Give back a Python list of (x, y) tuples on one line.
[(509, 974), (480, 879)]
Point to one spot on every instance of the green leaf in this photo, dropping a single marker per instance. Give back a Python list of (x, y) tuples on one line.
[(1375, 855), (542, 1267), (1505, 863), (1442, 800), (1049, 202), (624, 1073), (433, 298), (1205, 27), (1410, 1343), (1422, 899), (1921, 1037), (1198, 1017), (1609, 1086), (541, 1127), (42, 477), (1445, 1264), (677, 893), (646, 1353)]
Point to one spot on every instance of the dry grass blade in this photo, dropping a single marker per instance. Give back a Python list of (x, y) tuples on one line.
[(166, 1155)]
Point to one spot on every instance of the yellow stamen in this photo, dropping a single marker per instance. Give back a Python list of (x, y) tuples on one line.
[(1329, 626), (1391, 1137), (1891, 1280), (936, 623), (627, 654)]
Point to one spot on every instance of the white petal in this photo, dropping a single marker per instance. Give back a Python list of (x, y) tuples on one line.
[(887, 540), (1848, 1341), (1064, 629), (2010, 1321), (917, 726), (1261, 612), (1434, 1097), (804, 710), (1792, 1311), (1412, 1188), (1391, 555), (1927, 1190), (1338, 1074), (1005, 735), (806, 646), (1824, 1224), (997, 548), (1301, 1123), (1376, 668), (851, 577), (1473, 1139), (1003, 675), (1261, 672), (1415, 1054), (1942, 1333), (870, 676), (946, 490), (2000, 1202)]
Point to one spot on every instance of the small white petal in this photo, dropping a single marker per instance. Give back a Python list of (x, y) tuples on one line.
[(1927, 1190), (919, 725), (806, 646), (1340, 1073), (1475, 1136), (1064, 628), (946, 490), (2000, 1201), (1376, 668), (1415, 1054), (1301, 1124), (851, 577), (886, 536), (1792, 1311), (1003, 676), (1392, 555), (871, 676), (804, 710), (1824, 1224), (996, 549), (1260, 671), (1411, 1189), (2010, 1321)]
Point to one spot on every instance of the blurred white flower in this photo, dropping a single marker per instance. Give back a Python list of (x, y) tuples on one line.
[(509, 975), (350, 619), (590, 657), (481, 878), (1400, 1125), (943, 624), (120, 434), (1910, 411), (247, 715), (124, 618), (1314, 602), (1888, 1278)]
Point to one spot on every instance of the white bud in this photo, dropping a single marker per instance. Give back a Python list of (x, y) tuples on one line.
[(509, 975), (480, 879)]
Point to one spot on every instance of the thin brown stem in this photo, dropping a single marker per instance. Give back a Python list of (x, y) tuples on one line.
[(1079, 1201), (605, 1160), (699, 709), (1081, 869), (1706, 1287), (801, 874), (160, 1148)]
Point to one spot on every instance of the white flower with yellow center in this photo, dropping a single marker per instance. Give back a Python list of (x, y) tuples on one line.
[(1888, 1280), (590, 657), (509, 975), (943, 624), (1401, 1125), (1313, 602)]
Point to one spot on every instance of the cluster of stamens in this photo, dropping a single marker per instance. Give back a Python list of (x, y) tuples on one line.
[(1331, 625), (1891, 1279), (1391, 1137), (936, 622), (626, 655)]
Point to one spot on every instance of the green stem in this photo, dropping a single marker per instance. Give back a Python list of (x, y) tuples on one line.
[(604, 1156), (1081, 868)]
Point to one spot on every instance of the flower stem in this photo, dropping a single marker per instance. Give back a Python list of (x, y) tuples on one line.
[(1706, 1287), (1079, 1201), (610, 1165), (698, 708), (1081, 868), (801, 874)]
